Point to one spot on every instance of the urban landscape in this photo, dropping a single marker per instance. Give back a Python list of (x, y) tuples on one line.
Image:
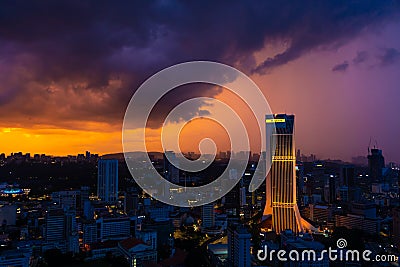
[(107, 220), (199, 133)]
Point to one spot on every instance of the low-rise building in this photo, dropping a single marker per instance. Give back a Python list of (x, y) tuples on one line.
[(137, 252)]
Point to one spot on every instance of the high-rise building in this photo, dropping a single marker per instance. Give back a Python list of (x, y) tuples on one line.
[(61, 229), (348, 175), (89, 230), (396, 226), (344, 193), (207, 215), (238, 246), (88, 210), (131, 202), (330, 189), (242, 196), (281, 200), (84, 196), (107, 180), (376, 162), (298, 154), (299, 180), (348, 180), (232, 200), (71, 231), (171, 172), (54, 225)]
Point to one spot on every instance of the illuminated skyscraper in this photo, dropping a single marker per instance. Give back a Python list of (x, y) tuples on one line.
[(281, 201)]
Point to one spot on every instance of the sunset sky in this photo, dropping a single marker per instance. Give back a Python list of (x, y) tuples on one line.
[(69, 68)]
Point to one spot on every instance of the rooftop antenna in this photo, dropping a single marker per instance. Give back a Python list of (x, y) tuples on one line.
[(369, 145)]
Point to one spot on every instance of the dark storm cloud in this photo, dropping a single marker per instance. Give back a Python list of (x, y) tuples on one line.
[(92, 55), (389, 56), (361, 57), (325, 25), (342, 67)]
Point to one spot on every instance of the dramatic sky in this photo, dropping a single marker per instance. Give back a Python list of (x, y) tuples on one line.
[(69, 68)]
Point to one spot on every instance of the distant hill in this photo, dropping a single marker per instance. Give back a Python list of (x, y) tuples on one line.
[(136, 154)]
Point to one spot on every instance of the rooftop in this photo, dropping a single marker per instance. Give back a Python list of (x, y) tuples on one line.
[(130, 243)]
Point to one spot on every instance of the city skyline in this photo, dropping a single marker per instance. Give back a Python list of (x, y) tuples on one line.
[(361, 160), (62, 97), (190, 154), (199, 133)]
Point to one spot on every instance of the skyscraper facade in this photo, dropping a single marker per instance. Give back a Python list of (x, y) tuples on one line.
[(171, 172), (281, 201), (348, 173), (61, 229), (107, 180), (208, 215), (396, 226), (376, 162), (299, 180), (332, 189), (54, 231), (238, 246)]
